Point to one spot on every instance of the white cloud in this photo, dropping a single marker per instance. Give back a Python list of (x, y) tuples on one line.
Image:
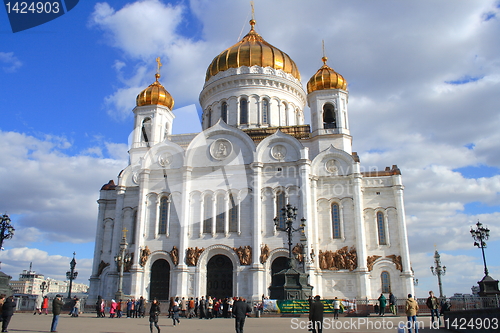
[(12, 63)]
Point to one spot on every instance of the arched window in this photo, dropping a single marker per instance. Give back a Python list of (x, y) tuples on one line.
[(386, 282), (336, 220), (221, 214), (233, 214), (280, 203), (382, 239), (243, 111), (164, 215), (265, 111), (329, 118), (209, 118), (146, 130), (208, 217), (223, 112)]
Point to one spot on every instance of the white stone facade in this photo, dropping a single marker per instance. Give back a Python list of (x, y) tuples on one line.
[(219, 190)]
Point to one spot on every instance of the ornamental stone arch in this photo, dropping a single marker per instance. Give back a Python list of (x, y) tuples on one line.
[(280, 147), (332, 162), (164, 155)]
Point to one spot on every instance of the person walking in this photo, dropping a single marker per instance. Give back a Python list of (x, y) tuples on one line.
[(382, 303), (57, 304), (8, 307), (336, 308), (76, 308), (411, 307), (175, 313), (433, 305), (38, 305), (392, 304), (316, 311), (45, 305), (154, 313), (240, 310), (112, 308)]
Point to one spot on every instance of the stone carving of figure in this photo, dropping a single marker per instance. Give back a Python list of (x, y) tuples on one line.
[(174, 254), (397, 261), (370, 261), (222, 150), (144, 256), (298, 251), (192, 255), (102, 266), (264, 254), (322, 260), (244, 254)]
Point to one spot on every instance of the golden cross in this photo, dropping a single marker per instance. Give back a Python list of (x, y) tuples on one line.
[(124, 232), (253, 11), (159, 65), (323, 41)]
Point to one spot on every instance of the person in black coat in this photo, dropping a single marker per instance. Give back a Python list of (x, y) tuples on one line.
[(7, 312), (240, 310), (316, 310), (154, 313)]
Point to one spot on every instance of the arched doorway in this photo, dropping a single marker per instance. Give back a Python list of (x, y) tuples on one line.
[(278, 265), (160, 280), (220, 277)]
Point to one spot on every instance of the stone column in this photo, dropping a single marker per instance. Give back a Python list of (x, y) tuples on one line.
[(257, 270)]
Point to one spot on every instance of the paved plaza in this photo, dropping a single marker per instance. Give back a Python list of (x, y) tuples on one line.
[(27, 322)]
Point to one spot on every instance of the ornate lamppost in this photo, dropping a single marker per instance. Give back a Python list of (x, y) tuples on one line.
[(121, 259), (289, 215), (487, 286), (439, 271), (44, 286), (7, 230), (480, 235), (71, 274), (291, 283)]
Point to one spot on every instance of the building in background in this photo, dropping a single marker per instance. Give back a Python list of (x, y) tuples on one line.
[(30, 283), (197, 210)]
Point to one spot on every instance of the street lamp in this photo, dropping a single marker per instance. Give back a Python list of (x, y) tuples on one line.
[(439, 271), (289, 215), (480, 235), (7, 230), (71, 275), (44, 286), (121, 259)]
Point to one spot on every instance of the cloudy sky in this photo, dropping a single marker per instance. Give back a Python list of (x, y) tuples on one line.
[(424, 83)]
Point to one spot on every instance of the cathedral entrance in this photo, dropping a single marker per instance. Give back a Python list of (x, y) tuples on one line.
[(278, 265), (220, 277), (160, 280)]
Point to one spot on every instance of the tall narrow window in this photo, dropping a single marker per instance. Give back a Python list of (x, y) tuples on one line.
[(164, 214), (208, 217), (336, 220), (233, 214), (386, 282), (146, 130), (223, 112), (280, 203), (243, 111), (221, 214), (209, 118), (265, 111), (329, 118), (382, 239)]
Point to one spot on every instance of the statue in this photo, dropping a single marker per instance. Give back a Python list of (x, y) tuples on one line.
[(343, 258), (192, 255), (244, 254), (174, 254), (298, 250), (264, 254), (144, 256)]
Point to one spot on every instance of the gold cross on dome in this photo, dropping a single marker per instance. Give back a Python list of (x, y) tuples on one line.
[(159, 65), (253, 11), (124, 232)]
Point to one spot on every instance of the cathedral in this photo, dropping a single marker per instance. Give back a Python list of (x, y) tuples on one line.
[(202, 213)]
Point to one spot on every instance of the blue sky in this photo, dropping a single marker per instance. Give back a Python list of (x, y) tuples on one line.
[(424, 97)]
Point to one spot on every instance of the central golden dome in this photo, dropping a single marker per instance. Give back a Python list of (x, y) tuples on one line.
[(252, 50)]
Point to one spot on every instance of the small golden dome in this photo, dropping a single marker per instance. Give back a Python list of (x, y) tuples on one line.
[(326, 78), (252, 50), (155, 94)]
